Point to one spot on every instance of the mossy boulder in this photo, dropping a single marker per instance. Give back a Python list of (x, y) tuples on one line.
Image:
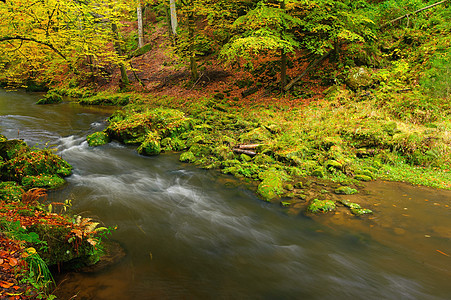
[(9, 148), (35, 163), (43, 181), (263, 159), (355, 208), (50, 98), (318, 172), (317, 206), (333, 164), (151, 145), (345, 190), (98, 139), (59, 250), (272, 184), (223, 152), (359, 78), (362, 177), (187, 157)]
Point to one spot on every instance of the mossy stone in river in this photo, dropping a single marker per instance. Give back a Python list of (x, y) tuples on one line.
[(50, 98), (362, 177), (98, 139), (187, 157), (151, 145), (272, 184), (345, 190), (321, 206)]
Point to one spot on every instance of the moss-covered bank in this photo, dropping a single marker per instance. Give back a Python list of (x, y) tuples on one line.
[(55, 238), (296, 154)]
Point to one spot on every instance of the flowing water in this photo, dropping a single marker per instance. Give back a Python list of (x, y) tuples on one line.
[(195, 234)]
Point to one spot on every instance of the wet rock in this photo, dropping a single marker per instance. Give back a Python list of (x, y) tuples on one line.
[(345, 190), (362, 177), (272, 184), (50, 98), (321, 206), (98, 139), (151, 145), (187, 157)]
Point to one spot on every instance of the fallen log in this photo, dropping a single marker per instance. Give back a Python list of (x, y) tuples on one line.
[(248, 147), (242, 151)]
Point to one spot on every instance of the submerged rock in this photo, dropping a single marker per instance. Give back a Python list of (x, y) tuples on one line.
[(321, 206), (345, 190)]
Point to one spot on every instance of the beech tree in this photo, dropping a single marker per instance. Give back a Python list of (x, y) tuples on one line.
[(48, 38)]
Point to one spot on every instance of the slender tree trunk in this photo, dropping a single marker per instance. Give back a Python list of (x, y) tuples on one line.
[(173, 17), (140, 24), (283, 61), (117, 46), (192, 59), (283, 70)]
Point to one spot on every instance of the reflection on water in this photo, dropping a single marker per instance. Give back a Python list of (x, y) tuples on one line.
[(189, 235)]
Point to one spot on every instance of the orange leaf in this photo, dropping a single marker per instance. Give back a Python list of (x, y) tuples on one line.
[(12, 262), (6, 285)]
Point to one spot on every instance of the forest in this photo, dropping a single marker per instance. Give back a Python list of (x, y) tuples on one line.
[(304, 101)]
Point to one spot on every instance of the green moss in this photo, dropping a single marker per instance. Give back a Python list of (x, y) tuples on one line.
[(50, 98), (43, 181), (151, 145), (10, 148), (10, 191), (362, 177), (355, 208), (319, 172), (98, 139), (333, 164), (187, 157), (321, 206), (345, 190), (272, 184)]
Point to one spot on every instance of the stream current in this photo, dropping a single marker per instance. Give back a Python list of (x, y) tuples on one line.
[(196, 234)]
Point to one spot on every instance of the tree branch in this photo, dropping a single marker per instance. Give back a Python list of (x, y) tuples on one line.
[(22, 38), (412, 13)]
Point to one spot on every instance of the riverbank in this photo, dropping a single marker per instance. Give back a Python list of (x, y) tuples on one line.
[(303, 155), (37, 234)]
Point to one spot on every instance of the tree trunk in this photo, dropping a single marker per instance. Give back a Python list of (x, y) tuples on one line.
[(117, 46), (283, 70), (283, 61), (173, 17), (140, 24), (192, 58)]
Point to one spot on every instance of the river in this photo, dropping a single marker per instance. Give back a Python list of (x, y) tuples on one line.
[(196, 234)]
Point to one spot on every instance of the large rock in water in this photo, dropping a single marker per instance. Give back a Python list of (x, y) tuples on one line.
[(359, 78)]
